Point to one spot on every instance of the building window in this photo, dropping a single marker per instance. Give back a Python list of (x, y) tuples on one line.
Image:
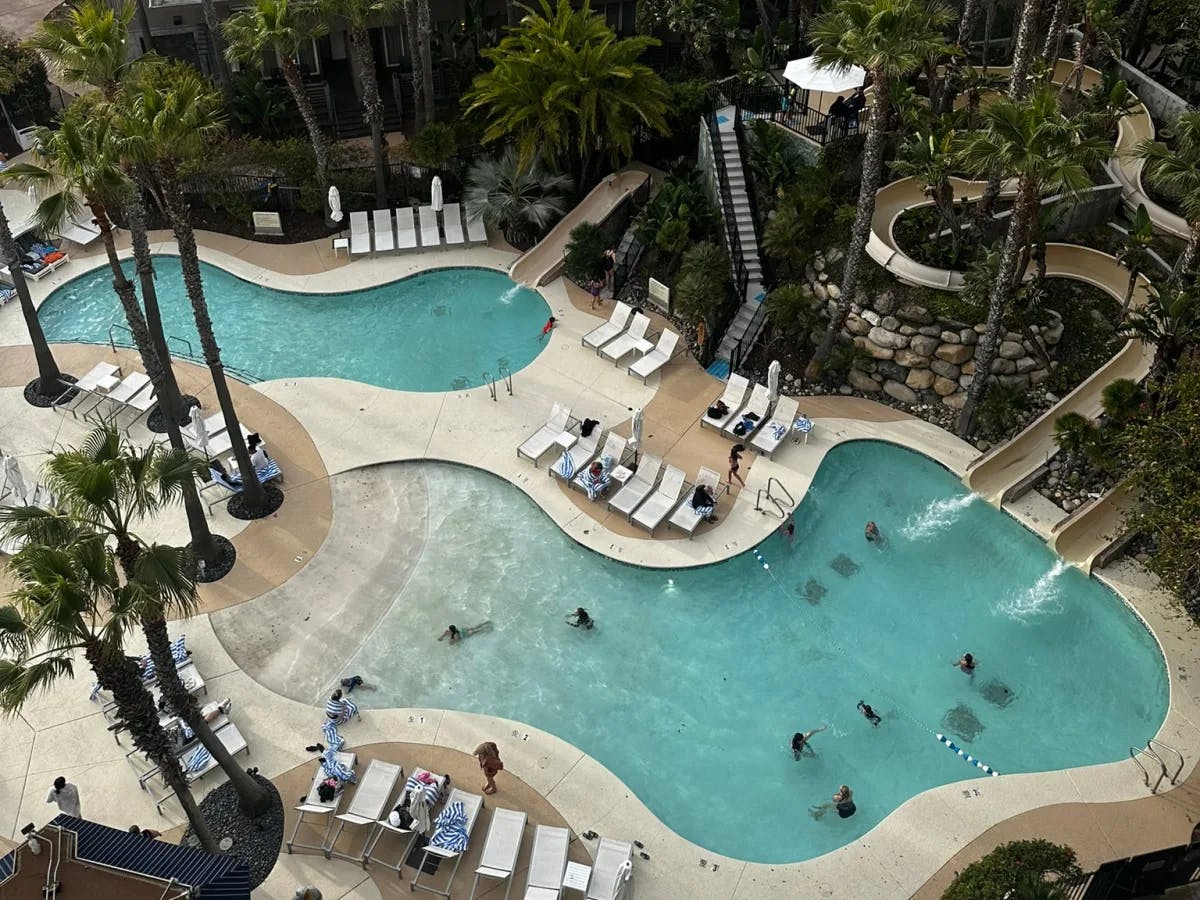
[(310, 59), (393, 45), (621, 17)]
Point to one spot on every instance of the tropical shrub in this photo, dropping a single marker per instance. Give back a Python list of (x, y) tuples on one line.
[(702, 293), (585, 253), (792, 311), (522, 201), (1010, 865), (433, 146), (1001, 411), (775, 158)]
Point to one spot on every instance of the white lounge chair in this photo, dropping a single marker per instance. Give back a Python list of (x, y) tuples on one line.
[(638, 487), (578, 456), (651, 513), (500, 848), (452, 225), (407, 835), (601, 335), (385, 235), (656, 358), (360, 234), (614, 446), (476, 230), (231, 739), (437, 846), (634, 335), (756, 407), (535, 446), (612, 872), (430, 236), (313, 805), (547, 863), (100, 378), (772, 434), (685, 518), (222, 442), (370, 798), (133, 384), (406, 228), (733, 398)]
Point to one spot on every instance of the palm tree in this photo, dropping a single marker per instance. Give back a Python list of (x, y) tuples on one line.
[(522, 201), (70, 598), (1171, 323), (564, 87), (1177, 170), (1101, 29), (168, 120), (1136, 255), (89, 44), (416, 69), (360, 13), (1075, 434), (1123, 401), (424, 49), (50, 380), (932, 159), (891, 39), (220, 61), (283, 27), (103, 487), (1047, 153)]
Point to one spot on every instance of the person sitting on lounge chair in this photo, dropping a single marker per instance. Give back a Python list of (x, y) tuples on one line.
[(216, 471), (596, 480), (258, 451), (703, 503)]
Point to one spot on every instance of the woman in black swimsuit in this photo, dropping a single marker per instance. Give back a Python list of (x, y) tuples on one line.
[(735, 463)]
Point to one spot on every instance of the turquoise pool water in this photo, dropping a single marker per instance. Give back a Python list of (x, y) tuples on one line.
[(692, 683), (436, 331)]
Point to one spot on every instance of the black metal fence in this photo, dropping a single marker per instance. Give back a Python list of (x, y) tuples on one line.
[(741, 275), (788, 107)]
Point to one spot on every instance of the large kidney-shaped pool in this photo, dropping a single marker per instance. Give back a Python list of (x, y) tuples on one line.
[(439, 330), (692, 682)]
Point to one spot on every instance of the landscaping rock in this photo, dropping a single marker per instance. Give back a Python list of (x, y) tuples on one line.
[(887, 338), (1026, 364), (834, 255), (1053, 334), (857, 325), (920, 379), (907, 357), (819, 263), (1021, 382), (955, 401), (943, 368), (833, 291), (968, 336), (1010, 350), (944, 387), (861, 381), (914, 313), (899, 391), (874, 349), (820, 292), (931, 330), (871, 316), (908, 330), (1003, 366), (954, 353), (891, 323), (924, 344), (950, 337), (887, 369), (884, 303), (845, 390), (1038, 376), (968, 368)]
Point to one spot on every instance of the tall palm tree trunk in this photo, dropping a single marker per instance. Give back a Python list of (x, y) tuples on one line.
[(872, 172), (1058, 23), (966, 25), (224, 77), (158, 367), (49, 377), (119, 674), (1015, 242), (364, 56), (989, 24), (425, 36), (414, 55), (291, 74), (1187, 259), (254, 495)]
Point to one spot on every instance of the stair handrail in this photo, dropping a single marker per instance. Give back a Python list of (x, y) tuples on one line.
[(124, 328), (758, 507), (491, 384), (506, 373), (734, 244), (749, 338), (773, 480), (739, 129), (174, 337), (1154, 742), (1135, 752)]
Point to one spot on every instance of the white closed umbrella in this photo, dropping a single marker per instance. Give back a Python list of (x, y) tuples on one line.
[(807, 74), (335, 204), (635, 431), (15, 480), (435, 194), (199, 431), (773, 380)]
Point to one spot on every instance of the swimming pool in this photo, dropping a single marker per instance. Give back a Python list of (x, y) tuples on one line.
[(693, 681), (436, 331)]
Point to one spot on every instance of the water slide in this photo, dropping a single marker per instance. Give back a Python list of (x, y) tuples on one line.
[(541, 262), (1088, 533)]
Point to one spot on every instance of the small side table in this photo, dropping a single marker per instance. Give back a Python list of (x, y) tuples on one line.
[(576, 877), (621, 474), (643, 346), (341, 243), (566, 440)]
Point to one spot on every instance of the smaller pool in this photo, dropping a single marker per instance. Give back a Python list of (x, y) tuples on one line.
[(436, 331)]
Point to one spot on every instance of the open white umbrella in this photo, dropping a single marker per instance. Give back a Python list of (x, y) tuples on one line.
[(335, 204), (435, 194), (635, 432), (197, 417), (773, 380), (807, 74), (14, 480)]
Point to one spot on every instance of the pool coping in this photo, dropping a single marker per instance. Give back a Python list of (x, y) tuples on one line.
[(898, 855)]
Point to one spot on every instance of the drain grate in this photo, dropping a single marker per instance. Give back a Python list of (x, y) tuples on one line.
[(844, 565)]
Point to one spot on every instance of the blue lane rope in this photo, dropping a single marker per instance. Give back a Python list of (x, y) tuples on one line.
[(942, 739)]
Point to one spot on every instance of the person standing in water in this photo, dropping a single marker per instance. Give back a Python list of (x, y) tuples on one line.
[(800, 741), (868, 713), (873, 534), (581, 619), (967, 663)]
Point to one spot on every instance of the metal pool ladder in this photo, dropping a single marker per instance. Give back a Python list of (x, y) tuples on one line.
[(1150, 753), (780, 504)]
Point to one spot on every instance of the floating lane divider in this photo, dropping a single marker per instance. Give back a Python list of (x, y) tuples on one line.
[(967, 756), (760, 559)]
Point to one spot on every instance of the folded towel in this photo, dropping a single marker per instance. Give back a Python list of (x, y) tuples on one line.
[(330, 732), (566, 466), (451, 831), (802, 425), (777, 430), (196, 761)]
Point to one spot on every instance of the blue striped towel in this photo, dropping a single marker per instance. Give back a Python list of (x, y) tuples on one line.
[(422, 792), (566, 466), (196, 761), (341, 711), (334, 769), (595, 485), (802, 425), (451, 831), (179, 651), (146, 664), (269, 472), (329, 732)]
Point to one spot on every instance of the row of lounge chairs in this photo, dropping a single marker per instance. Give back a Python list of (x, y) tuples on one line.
[(752, 419), (105, 394), (409, 229), (376, 794), (621, 335)]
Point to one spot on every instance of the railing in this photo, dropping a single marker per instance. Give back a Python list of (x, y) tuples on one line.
[(777, 502), (117, 325), (741, 350), (785, 106), (1148, 752), (505, 372), (1153, 742), (174, 337), (741, 275), (491, 384), (756, 220)]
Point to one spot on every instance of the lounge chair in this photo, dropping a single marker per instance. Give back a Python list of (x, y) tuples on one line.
[(601, 335), (753, 415), (535, 446), (213, 426), (430, 236), (131, 385), (656, 358), (452, 837), (500, 848), (733, 398), (406, 228), (199, 762), (577, 456), (385, 234), (547, 863), (360, 234), (614, 447), (100, 378), (638, 487), (685, 518), (266, 474), (409, 834), (313, 805), (452, 225), (634, 335), (370, 798), (612, 872), (476, 231), (772, 434), (168, 722), (656, 507)]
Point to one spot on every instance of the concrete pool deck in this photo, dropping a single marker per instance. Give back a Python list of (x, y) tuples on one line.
[(352, 429)]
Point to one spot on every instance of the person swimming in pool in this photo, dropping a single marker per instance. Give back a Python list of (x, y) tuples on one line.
[(873, 534), (842, 801), (800, 741), (581, 619), (967, 663), (547, 328), (788, 528), (870, 714), (457, 634)]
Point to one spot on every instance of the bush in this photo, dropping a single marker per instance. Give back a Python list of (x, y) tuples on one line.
[(702, 294), (24, 87), (1000, 411), (1013, 866), (585, 253), (791, 311), (433, 146)]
